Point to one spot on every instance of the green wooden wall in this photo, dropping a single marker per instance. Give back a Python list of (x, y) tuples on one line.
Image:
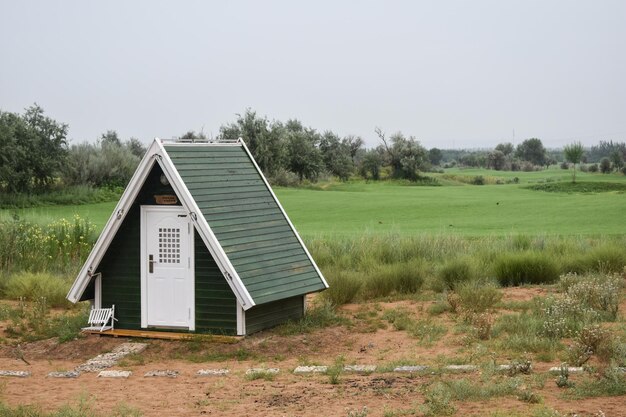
[(271, 314)]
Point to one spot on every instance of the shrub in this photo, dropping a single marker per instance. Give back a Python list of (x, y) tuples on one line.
[(608, 258), (591, 340), (611, 383), (322, 314), (593, 168), (605, 165), (438, 401), (456, 271), (564, 316), (525, 268), (400, 278), (33, 286), (343, 287), (599, 292), (478, 297), (478, 180)]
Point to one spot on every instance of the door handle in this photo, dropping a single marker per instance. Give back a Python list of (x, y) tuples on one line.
[(151, 263)]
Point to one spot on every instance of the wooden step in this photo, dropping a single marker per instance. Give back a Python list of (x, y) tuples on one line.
[(152, 334)]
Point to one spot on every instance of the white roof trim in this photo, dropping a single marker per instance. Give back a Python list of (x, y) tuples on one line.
[(267, 184), (156, 152)]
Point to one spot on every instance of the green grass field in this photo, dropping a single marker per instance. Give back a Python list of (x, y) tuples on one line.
[(355, 208)]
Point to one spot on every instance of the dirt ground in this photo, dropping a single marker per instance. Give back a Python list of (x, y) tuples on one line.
[(366, 342)]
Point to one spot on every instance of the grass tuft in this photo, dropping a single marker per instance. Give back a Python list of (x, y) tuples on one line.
[(525, 268)]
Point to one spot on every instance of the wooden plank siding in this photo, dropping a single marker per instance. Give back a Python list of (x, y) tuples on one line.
[(274, 313), (215, 303), (247, 222)]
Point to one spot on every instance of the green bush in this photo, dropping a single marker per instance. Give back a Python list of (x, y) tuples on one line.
[(33, 286), (598, 292), (399, 278), (478, 296), (455, 271), (525, 268), (607, 259), (322, 314), (343, 286)]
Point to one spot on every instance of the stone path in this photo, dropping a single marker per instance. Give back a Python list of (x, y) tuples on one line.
[(102, 362)]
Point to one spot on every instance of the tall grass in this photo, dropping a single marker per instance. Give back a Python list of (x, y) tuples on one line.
[(378, 265), (60, 246), (33, 286)]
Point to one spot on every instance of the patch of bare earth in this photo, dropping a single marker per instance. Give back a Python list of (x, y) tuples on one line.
[(368, 340)]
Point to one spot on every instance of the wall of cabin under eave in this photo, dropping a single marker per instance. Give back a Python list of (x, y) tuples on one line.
[(268, 315), (120, 267)]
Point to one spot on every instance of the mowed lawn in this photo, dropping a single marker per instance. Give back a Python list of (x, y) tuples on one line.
[(468, 210), (389, 207)]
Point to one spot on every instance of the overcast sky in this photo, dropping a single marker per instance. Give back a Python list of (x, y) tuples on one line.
[(451, 73)]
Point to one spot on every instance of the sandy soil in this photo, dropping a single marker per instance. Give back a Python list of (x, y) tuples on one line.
[(288, 394)]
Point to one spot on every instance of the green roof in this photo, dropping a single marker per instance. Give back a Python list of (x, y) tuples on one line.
[(247, 221)]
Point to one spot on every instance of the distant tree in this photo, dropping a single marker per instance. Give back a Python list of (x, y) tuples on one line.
[(407, 156), (617, 160), (99, 165), (435, 156), (16, 142), (574, 154), (110, 138), (303, 157), (606, 149), (33, 148), (336, 155), (192, 135), (371, 164), (264, 140), (506, 148), (135, 147), (496, 160), (354, 145), (531, 150), (605, 165)]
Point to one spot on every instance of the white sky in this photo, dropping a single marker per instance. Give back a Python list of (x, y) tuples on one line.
[(451, 73)]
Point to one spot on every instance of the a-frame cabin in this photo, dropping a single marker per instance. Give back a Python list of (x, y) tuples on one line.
[(199, 243)]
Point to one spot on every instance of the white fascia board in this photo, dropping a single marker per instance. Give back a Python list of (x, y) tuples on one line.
[(113, 224), (204, 230), (267, 184)]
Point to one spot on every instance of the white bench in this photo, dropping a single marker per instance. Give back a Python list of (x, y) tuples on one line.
[(100, 317)]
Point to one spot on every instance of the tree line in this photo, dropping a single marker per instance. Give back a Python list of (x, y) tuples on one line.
[(35, 154)]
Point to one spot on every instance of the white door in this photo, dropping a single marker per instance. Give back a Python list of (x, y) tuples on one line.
[(167, 290)]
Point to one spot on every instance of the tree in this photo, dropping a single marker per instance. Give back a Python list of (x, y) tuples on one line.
[(336, 155), (574, 154), (371, 163), (617, 160), (192, 135), (135, 147), (531, 150), (506, 148), (303, 157), (406, 156), (354, 145), (33, 148), (264, 140), (110, 138), (605, 165), (496, 160), (435, 156)]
